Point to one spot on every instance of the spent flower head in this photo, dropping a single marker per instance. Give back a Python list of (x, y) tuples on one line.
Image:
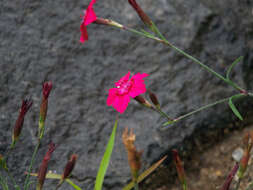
[(134, 156), (179, 166), (126, 88)]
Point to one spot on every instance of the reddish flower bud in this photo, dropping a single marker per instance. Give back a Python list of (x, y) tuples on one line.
[(69, 166), (26, 104), (180, 168), (143, 101), (154, 99), (47, 86), (230, 177), (141, 13), (43, 167)]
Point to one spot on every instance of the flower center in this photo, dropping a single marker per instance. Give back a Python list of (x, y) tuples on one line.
[(124, 87)]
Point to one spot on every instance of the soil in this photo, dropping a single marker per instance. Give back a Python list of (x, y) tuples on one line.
[(206, 169)]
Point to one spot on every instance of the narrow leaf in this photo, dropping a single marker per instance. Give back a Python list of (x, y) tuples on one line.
[(170, 122), (76, 187), (58, 176), (145, 174), (106, 159), (234, 109), (147, 33), (48, 176), (232, 65)]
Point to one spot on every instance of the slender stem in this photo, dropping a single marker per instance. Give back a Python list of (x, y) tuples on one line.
[(3, 182), (7, 154), (161, 113), (208, 106), (136, 187), (205, 107), (164, 41), (164, 114), (31, 164), (12, 179), (184, 186)]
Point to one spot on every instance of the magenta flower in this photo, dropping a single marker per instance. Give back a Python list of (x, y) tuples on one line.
[(88, 18), (119, 97)]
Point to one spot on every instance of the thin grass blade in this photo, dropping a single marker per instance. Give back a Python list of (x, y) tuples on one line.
[(106, 159)]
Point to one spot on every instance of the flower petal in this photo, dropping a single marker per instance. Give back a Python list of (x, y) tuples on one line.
[(84, 33), (90, 15), (121, 103), (111, 96), (123, 79), (138, 85)]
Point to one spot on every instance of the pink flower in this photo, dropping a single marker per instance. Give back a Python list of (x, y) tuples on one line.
[(119, 97), (88, 18)]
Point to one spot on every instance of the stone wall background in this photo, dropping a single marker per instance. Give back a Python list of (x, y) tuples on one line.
[(39, 41)]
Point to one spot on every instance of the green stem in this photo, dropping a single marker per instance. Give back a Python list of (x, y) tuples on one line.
[(164, 41), (136, 187), (31, 164), (184, 186), (208, 106), (164, 114), (12, 179), (204, 107), (3, 182)]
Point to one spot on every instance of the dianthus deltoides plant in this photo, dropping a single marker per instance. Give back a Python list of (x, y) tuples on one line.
[(130, 86)]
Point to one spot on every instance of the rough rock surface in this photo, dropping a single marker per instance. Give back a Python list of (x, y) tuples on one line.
[(39, 41)]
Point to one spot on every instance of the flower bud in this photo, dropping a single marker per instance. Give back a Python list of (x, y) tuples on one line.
[(43, 167), (143, 101), (154, 99), (108, 22), (180, 168), (69, 166), (47, 86), (26, 104), (134, 156), (144, 17)]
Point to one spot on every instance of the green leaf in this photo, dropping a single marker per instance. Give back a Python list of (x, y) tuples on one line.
[(145, 174), (232, 65), (234, 109), (76, 187), (106, 159), (48, 176), (58, 176)]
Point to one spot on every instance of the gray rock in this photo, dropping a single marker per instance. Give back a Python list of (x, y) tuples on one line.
[(40, 41)]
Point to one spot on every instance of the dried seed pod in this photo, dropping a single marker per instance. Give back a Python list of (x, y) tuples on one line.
[(134, 156)]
